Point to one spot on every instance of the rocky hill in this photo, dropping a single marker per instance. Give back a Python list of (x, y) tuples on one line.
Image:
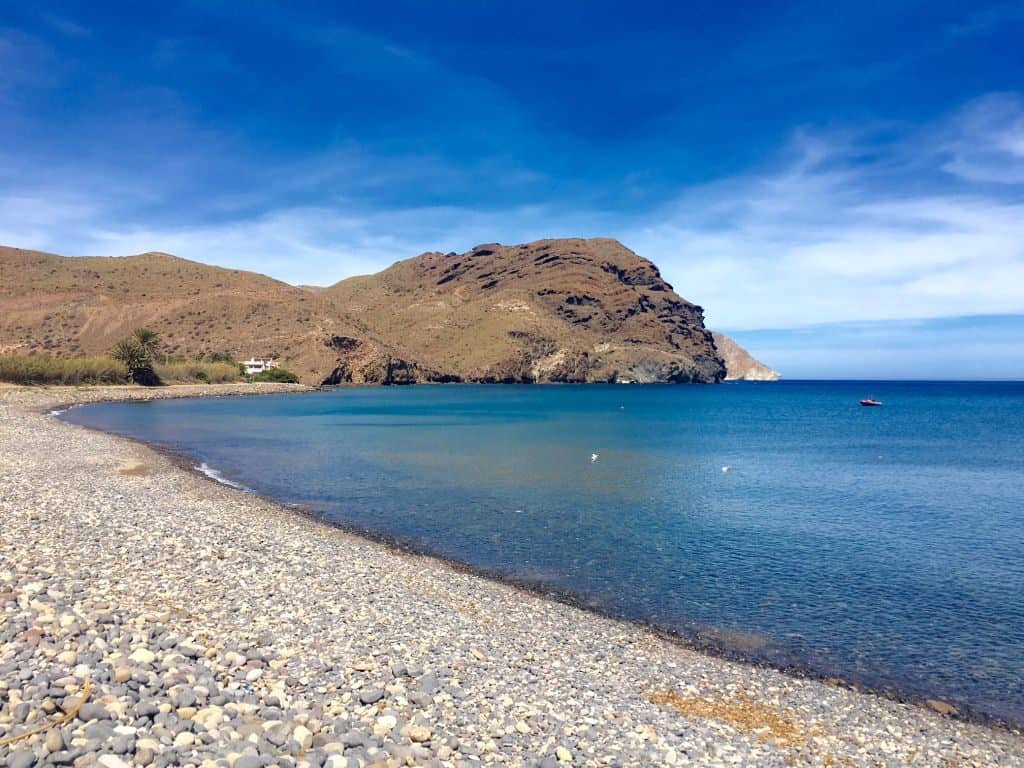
[(739, 364), (554, 310)]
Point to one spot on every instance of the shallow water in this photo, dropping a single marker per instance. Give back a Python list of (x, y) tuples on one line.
[(881, 545)]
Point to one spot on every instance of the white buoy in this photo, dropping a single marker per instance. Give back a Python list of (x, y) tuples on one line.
[(726, 468)]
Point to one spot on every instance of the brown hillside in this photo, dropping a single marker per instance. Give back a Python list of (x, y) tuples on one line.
[(554, 310), (85, 304)]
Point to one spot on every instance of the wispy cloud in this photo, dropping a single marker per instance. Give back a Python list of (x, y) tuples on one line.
[(985, 142), (979, 22), (66, 26), (310, 244), (842, 231), (974, 347), (898, 222)]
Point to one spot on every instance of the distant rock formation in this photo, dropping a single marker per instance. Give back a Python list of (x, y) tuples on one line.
[(739, 365)]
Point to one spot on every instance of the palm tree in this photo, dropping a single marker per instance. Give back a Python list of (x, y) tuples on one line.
[(149, 340), (136, 352), (134, 357)]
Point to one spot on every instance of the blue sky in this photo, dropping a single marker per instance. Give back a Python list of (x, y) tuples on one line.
[(844, 170)]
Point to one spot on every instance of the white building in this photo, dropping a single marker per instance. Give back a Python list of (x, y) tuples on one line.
[(260, 364)]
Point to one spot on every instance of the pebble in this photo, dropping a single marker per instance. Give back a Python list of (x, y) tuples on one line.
[(219, 629), (54, 740), (419, 733), (143, 656), (371, 696), (21, 758)]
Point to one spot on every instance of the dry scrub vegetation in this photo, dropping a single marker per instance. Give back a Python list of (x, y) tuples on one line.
[(80, 371), (739, 712), (73, 371), (192, 371)]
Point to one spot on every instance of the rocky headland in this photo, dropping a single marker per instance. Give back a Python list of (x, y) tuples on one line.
[(567, 310), (151, 617), (739, 364)]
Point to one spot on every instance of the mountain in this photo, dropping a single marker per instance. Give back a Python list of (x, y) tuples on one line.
[(739, 365), (551, 310)]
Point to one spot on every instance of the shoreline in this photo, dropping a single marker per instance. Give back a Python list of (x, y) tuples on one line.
[(711, 714), (707, 640)]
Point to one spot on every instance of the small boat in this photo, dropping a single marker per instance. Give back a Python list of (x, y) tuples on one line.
[(868, 401)]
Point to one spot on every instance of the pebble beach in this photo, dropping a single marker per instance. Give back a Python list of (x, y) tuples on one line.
[(152, 617)]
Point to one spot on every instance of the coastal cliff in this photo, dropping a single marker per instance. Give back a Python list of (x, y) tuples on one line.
[(740, 365), (569, 310)]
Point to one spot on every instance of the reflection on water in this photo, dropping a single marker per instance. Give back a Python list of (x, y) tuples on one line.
[(884, 545)]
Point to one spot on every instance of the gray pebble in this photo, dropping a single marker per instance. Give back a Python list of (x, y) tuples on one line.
[(371, 695), (21, 758)]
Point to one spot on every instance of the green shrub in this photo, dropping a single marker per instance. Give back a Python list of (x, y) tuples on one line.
[(280, 375), (216, 357), (43, 369)]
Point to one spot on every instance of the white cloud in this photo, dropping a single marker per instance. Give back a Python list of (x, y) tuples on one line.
[(985, 142), (307, 245), (843, 227), (830, 237)]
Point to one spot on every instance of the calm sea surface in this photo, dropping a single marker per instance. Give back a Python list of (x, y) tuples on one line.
[(881, 545)]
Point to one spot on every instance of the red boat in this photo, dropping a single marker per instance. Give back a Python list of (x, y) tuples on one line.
[(870, 402)]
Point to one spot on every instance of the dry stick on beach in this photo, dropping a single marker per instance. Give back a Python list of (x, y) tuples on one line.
[(66, 717)]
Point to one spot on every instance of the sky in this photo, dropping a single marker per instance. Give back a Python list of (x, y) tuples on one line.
[(840, 185)]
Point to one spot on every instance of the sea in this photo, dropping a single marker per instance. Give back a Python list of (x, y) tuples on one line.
[(779, 522)]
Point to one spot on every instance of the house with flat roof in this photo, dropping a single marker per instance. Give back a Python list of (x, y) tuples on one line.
[(260, 364)]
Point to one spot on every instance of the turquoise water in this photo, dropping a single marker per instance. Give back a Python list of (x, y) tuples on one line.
[(881, 545)]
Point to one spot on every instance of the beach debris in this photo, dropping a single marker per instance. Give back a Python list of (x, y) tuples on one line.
[(68, 716), (942, 707), (136, 468), (758, 719)]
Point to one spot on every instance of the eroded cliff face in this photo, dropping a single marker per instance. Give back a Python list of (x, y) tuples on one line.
[(739, 364), (551, 311), (360, 362)]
